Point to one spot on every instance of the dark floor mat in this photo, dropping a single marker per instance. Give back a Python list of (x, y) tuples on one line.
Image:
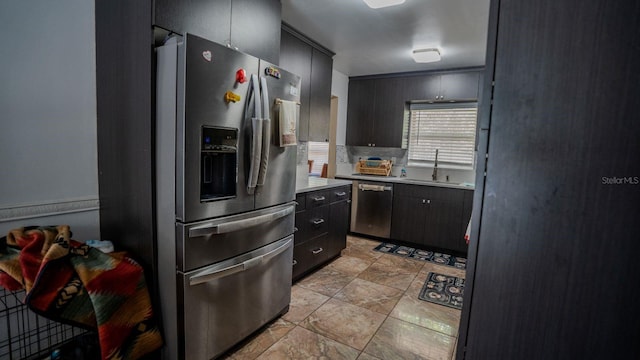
[(424, 255), (443, 290)]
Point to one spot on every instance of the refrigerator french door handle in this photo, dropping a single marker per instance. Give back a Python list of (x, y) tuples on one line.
[(231, 226), (266, 132), (256, 136), (208, 275)]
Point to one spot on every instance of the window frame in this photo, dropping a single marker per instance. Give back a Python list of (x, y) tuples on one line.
[(416, 106)]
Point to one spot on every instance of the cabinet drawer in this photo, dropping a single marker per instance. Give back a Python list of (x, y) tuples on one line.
[(309, 254), (317, 221), (340, 194), (317, 198)]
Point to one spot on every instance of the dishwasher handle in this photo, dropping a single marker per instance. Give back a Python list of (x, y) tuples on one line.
[(371, 187)]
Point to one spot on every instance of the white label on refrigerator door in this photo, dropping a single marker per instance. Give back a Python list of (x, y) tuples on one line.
[(294, 91), (207, 55)]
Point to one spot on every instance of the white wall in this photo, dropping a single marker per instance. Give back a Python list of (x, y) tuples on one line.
[(340, 88), (48, 150)]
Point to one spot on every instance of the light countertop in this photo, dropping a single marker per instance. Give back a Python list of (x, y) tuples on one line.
[(404, 180), (312, 183)]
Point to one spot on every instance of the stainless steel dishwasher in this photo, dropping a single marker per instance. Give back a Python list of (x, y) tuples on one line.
[(371, 208)]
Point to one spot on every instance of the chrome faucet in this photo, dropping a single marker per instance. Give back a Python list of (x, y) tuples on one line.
[(434, 176)]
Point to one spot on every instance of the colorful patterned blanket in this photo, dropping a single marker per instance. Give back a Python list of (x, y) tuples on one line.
[(73, 283)]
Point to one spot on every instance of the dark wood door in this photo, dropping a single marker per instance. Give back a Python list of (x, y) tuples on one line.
[(443, 222), (295, 56), (388, 112), (422, 87), (360, 112), (208, 19), (320, 96), (459, 86), (408, 219), (338, 227), (255, 28), (555, 272), (251, 26)]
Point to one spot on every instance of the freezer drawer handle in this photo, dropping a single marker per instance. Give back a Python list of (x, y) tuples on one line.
[(206, 276), (209, 229), (318, 251)]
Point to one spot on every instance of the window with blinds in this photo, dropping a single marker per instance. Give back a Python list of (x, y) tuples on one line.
[(450, 128), (319, 153)]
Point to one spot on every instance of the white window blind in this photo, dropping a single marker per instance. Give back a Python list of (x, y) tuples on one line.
[(319, 153), (449, 128)]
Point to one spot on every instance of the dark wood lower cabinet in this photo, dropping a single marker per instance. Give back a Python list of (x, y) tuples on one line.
[(430, 216), (407, 222), (322, 220)]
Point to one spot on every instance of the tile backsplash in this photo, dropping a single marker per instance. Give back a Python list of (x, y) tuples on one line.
[(302, 153), (347, 156)]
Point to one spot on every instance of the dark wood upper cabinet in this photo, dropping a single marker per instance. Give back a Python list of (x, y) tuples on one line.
[(255, 28), (459, 86), (375, 112), (320, 96), (360, 112), (455, 86), (295, 56), (377, 105), (251, 26), (314, 64), (388, 112), (422, 87), (205, 18)]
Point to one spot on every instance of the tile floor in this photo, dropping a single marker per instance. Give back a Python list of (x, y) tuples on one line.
[(363, 305)]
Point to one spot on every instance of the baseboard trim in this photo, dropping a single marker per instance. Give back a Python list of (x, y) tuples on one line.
[(38, 210)]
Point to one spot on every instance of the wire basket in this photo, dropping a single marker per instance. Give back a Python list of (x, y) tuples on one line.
[(26, 335)]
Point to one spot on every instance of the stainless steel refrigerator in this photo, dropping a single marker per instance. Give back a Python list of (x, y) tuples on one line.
[(224, 195)]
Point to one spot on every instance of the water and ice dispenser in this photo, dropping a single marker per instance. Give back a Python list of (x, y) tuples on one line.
[(219, 163)]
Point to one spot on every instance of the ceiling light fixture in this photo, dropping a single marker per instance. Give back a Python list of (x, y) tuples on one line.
[(426, 55), (376, 4)]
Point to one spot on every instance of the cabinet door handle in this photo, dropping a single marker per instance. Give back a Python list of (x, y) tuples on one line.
[(318, 199), (424, 201), (318, 251), (428, 201), (295, 262), (295, 229), (317, 221)]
